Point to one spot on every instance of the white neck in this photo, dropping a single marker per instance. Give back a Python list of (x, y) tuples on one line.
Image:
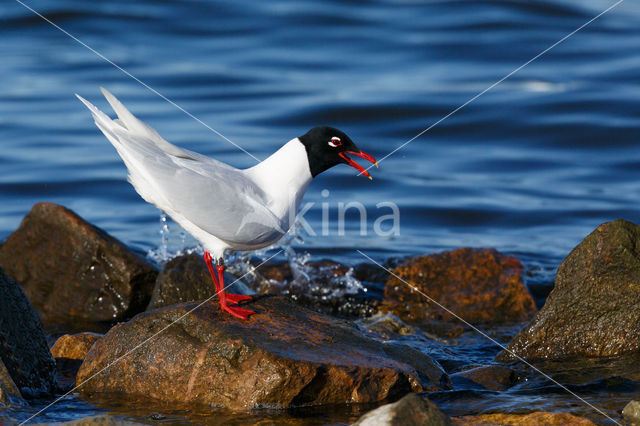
[(284, 177)]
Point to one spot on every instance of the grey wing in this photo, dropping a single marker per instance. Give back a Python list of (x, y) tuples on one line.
[(217, 198)]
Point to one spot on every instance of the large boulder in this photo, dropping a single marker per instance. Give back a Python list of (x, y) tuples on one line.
[(72, 270), (594, 307), (411, 410), (480, 285), (285, 355), (23, 345)]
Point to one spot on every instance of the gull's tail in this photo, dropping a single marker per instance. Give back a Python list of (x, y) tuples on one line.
[(141, 148), (129, 122)]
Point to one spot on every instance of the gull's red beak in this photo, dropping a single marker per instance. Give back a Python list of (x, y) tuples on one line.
[(357, 166)]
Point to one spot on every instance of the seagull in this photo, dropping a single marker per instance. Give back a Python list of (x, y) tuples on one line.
[(223, 207)]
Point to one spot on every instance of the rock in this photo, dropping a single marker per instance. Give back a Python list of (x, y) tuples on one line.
[(186, 279), (594, 304), (533, 419), (285, 355), (102, 420), (23, 345), (480, 285), (73, 270), (322, 286), (69, 352), (491, 377), (325, 286), (74, 346), (631, 413), (409, 411), (9, 392)]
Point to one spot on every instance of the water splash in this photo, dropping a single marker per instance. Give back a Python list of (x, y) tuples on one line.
[(174, 242), (304, 278)]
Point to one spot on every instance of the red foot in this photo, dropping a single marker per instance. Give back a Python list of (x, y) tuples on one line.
[(236, 312), (237, 298), (226, 299)]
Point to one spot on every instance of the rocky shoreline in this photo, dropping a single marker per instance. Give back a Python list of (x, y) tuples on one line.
[(132, 332)]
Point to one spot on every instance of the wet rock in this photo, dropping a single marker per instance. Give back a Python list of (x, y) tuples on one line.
[(533, 419), (594, 304), (480, 285), (186, 279), (320, 285), (631, 413), (410, 410), (387, 327), (325, 286), (69, 352), (285, 355), (491, 377), (23, 345), (73, 270), (103, 420), (9, 392), (74, 346)]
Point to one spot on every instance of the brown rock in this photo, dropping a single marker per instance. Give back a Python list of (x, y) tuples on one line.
[(101, 420), (480, 285), (23, 345), (184, 279), (285, 355), (492, 377), (411, 410), (594, 304), (533, 419), (74, 346), (69, 352), (321, 287), (72, 270)]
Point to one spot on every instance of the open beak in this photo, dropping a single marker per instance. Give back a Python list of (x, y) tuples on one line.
[(357, 166)]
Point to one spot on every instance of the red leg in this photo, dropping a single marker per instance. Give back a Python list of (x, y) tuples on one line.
[(209, 263), (233, 310)]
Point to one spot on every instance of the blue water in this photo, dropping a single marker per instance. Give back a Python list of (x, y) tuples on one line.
[(530, 167)]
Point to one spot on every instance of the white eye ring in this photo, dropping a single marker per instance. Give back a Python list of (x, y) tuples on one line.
[(335, 141)]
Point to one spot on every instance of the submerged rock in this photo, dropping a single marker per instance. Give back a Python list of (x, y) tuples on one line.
[(595, 303), (480, 285), (491, 377), (532, 419), (72, 270), (285, 355), (23, 345), (409, 411)]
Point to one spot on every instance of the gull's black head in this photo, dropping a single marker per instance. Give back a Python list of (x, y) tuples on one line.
[(327, 147)]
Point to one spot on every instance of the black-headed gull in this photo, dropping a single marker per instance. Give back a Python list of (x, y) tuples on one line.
[(224, 208)]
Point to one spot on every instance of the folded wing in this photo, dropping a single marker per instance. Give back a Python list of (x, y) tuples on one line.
[(217, 198)]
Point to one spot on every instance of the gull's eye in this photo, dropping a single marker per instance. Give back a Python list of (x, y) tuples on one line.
[(335, 141)]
